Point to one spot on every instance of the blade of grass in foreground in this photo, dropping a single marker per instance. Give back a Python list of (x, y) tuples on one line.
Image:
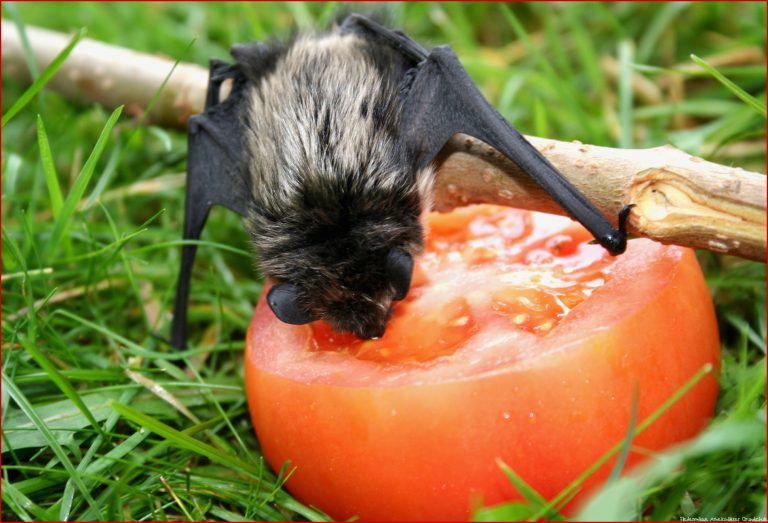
[(60, 381), (647, 422), (735, 89), (46, 75), (117, 159), (21, 505), (90, 469), (24, 404), (54, 190), (626, 110), (550, 510), (182, 440), (535, 500), (63, 221), (618, 501), (630, 436)]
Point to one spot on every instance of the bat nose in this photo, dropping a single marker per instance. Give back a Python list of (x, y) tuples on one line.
[(372, 332)]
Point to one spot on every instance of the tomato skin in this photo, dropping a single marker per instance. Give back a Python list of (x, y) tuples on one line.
[(426, 449)]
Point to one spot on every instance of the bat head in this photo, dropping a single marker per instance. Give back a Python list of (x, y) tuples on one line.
[(363, 313), (342, 260), (353, 293)]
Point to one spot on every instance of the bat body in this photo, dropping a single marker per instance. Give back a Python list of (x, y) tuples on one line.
[(325, 146), (333, 190)]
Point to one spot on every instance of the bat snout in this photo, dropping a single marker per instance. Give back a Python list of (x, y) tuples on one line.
[(372, 332)]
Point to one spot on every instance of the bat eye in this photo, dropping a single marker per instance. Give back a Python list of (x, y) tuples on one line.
[(282, 299), (399, 272)]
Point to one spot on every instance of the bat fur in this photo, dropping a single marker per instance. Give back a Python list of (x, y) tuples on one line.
[(332, 190)]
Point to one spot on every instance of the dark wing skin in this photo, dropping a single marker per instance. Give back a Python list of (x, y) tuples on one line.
[(440, 100), (216, 175), (379, 34)]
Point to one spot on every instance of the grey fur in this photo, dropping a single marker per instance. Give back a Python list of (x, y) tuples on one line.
[(332, 188)]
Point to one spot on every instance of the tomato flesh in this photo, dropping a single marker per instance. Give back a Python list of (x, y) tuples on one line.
[(522, 275), (519, 341)]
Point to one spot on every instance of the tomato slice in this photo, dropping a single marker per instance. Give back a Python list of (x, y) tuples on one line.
[(519, 340)]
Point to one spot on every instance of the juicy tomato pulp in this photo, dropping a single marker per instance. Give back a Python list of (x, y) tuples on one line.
[(505, 268), (518, 341)]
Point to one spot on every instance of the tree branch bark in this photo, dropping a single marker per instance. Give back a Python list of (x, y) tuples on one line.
[(679, 198), (96, 72)]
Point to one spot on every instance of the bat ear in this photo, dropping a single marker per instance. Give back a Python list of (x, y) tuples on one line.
[(282, 299), (399, 272)]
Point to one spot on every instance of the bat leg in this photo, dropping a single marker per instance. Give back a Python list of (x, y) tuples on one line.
[(442, 100)]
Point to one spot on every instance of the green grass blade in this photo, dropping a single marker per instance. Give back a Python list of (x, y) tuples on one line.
[(549, 72), (20, 504), (651, 36), (647, 422), (119, 452), (540, 126), (43, 79), (129, 272), (181, 440), (746, 328), (619, 501), (626, 109), (106, 177), (301, 14), (11, 165), (212, 399), (514, 511), (29, 56), (330, 9), (60, 381), (201, 243), (63, 221), (159, 90), (525, 490), (619, 465), (128, 345), (585, 47), (117, 156), (51, 180), (92, 469), (732, 87), (115, 245), (29, 411), (15, 251)]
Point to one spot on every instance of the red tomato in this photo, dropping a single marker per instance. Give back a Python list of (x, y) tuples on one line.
[(518, 340)]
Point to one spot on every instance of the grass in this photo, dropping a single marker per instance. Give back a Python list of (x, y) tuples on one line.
[(101, 421)]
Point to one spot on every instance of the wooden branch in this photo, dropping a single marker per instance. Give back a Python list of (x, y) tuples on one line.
[(96, 72), (679, 198)]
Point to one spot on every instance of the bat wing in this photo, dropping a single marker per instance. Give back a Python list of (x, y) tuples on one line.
[(216, 175), (379, 34), (441, 100), (217, 166)]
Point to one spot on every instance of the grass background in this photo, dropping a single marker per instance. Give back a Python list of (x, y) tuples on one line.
[(91, 250)]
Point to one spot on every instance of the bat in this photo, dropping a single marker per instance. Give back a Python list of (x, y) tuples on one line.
[(325, 146)]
